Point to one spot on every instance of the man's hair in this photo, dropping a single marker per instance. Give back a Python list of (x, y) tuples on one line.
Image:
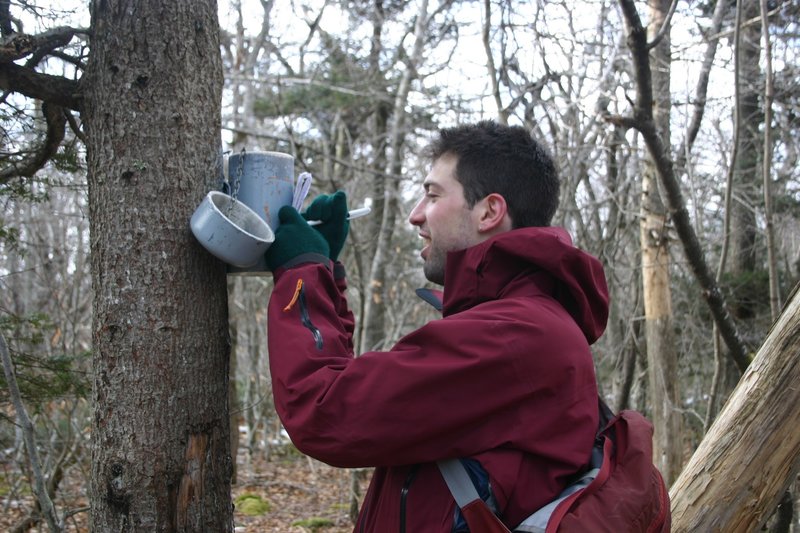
[(493, 158)]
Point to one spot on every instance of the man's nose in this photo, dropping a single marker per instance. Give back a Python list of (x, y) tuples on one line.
[(417, 217)]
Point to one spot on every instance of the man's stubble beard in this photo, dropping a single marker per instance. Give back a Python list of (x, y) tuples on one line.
[(434, 267)]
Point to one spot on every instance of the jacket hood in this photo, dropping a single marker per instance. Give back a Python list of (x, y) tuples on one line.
[(538, 259)]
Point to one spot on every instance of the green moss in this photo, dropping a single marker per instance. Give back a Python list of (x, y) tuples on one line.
[(314, 523), (251, 504)]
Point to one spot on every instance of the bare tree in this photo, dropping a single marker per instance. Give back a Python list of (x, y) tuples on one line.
[(766, 165), (662, 357), (642, 120), (744, 252), (373, 336)]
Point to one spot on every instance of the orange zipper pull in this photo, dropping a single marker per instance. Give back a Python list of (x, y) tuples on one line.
[(295, 297)]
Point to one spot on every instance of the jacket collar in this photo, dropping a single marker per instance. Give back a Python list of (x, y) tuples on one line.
[(526, 261)]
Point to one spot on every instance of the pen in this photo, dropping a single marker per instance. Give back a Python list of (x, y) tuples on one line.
[(355, 213)]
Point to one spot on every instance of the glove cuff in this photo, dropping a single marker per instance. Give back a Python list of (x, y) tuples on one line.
[(309, 257), (339, 271)]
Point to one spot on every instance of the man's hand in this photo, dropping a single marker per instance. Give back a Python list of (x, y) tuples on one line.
[(331, 210), (294, 237)]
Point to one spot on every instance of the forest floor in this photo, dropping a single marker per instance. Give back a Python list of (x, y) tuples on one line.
[(288, 494)]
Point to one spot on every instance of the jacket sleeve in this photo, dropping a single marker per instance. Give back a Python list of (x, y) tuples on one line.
[(456, 387)]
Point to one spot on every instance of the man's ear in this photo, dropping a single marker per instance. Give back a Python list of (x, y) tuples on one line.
[(494, 216)]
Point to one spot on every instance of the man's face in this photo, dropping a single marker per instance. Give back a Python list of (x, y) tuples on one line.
[(445, 222)]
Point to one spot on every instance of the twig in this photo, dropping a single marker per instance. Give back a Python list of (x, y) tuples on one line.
[(30, 440), (664, 27), (74, 126), (701, 92), (72, 512)]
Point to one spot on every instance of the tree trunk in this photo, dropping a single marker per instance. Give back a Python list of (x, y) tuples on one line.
[(373, 316), (502, 112), (751, 454), (746, 171), (662, 357), (766, 167), (743, 198), (374, 335), (161, 458)]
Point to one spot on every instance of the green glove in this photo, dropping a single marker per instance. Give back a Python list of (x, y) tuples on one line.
[(331, 210), (294, 237)]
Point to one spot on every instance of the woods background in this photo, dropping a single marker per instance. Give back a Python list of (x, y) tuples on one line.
[(675, 128)]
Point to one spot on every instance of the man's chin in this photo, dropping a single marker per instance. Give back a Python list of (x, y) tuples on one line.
[(433, 273)]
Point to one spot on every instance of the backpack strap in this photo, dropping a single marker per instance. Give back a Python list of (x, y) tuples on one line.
[(464, 492), (537, 522), (479, 517), (458, 481)]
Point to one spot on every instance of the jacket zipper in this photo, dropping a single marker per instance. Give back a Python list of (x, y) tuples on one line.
[(404, 496), (306, 319), (362, 516)]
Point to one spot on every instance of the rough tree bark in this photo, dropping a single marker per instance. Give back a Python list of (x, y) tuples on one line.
[(751, 454), (161, 459)]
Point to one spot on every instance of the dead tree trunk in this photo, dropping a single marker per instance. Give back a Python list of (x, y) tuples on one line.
[(662, 354), (751, 454)]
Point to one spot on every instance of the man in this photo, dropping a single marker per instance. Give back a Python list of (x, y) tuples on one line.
[(504, 381)]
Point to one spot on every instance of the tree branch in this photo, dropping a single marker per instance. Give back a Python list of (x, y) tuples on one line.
[(74, 126), (701, 92), (19, 45), (25, 80), (502, 113), (662, 31), (644, 123), (6, 19), (750, 445), (45, 87), (622, 122), (56, 123)]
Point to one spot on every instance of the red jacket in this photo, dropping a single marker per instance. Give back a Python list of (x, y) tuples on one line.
[(505, 377)]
